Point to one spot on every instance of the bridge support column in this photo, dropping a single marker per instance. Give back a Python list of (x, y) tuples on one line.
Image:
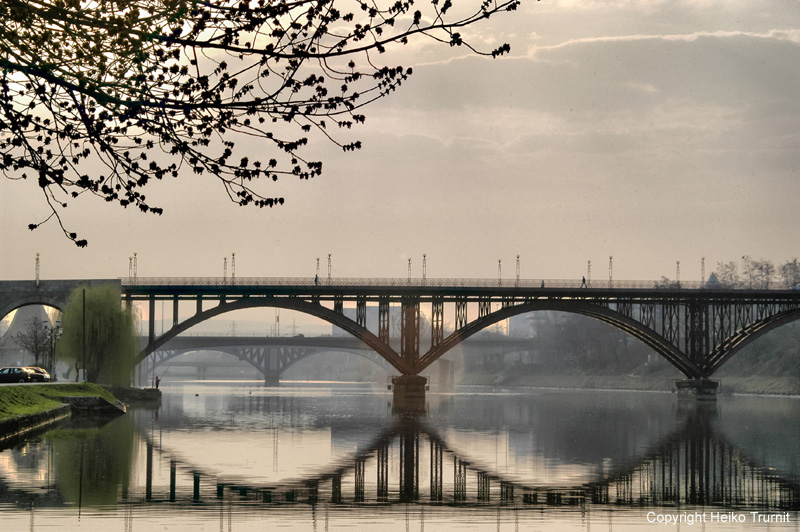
[(700, 389), (272, 371), (409, 392)]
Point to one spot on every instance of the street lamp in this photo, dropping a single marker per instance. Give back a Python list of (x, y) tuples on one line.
[(52, 334), (588, 272), (703, 270), (610, 271), (499, 272)]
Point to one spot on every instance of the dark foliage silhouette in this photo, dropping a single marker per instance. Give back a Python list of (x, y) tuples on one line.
[(104, 96)]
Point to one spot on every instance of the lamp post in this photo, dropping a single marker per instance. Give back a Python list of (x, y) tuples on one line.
[(53, 334), (703, 270), (499, 272), (610, 271)]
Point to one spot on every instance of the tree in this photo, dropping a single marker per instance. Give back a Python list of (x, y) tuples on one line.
[(758, 273), (35, 339), (111, 343), (104, 96), (727, 274), (665, 282), (790, 273)]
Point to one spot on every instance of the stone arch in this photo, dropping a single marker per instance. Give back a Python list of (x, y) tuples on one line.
[(53, 302), (16, 294)]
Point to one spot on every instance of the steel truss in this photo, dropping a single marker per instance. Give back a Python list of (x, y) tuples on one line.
[(696, 330)]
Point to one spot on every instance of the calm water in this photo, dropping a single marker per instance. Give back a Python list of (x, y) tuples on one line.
[(315, 456)]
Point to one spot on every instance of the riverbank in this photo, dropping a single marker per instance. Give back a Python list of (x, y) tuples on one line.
[(26, 407), (755, 384)]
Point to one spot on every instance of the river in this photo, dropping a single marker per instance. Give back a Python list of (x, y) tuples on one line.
[(238, 456)]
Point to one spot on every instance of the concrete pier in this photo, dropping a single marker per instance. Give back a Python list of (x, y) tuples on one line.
[(699, 389), (409, 392)]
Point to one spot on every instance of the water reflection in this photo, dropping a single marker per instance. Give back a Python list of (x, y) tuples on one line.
[(252, 451), (693, 465)]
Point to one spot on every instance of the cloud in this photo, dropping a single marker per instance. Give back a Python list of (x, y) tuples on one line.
[(785, 35)]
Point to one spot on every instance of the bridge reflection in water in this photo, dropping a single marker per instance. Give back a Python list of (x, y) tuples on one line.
[(408, 464), (695, 465)]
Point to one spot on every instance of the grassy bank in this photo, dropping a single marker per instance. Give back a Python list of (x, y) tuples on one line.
[(28, 400)]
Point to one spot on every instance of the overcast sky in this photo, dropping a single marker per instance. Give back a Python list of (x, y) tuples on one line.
[(651, 131)]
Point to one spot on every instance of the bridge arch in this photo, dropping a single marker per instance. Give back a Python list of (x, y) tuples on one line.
[(749, 335), (616, 319), (313, 309), (304, 353), (378, 361), (33, 299), (53, 293)]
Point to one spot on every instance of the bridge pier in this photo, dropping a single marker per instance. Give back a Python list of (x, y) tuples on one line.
[(409, 392), (699, 389), (272, 380)]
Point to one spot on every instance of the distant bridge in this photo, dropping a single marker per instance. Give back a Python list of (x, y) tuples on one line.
[(695, 327), (273, 355)]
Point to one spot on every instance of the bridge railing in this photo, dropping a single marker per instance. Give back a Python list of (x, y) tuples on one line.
[(406, 282)]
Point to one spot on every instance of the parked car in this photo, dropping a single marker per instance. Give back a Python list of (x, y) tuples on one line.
[(17, 375), (39, 374)]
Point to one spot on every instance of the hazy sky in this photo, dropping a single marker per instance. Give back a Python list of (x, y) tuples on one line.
[(653, 131)]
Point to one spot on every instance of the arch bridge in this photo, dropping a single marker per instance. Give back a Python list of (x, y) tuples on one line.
[(270, 355), (695, 327), (273, 355)]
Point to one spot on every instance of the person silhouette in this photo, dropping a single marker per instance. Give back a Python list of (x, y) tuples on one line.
[(583, 282)]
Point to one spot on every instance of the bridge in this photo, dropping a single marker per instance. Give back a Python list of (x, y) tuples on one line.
[(273, 355), (696, 327)]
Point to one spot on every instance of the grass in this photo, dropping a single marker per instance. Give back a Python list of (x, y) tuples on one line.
[(26, 400)]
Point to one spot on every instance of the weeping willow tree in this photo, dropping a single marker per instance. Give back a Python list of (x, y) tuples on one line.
[(99, 335)]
